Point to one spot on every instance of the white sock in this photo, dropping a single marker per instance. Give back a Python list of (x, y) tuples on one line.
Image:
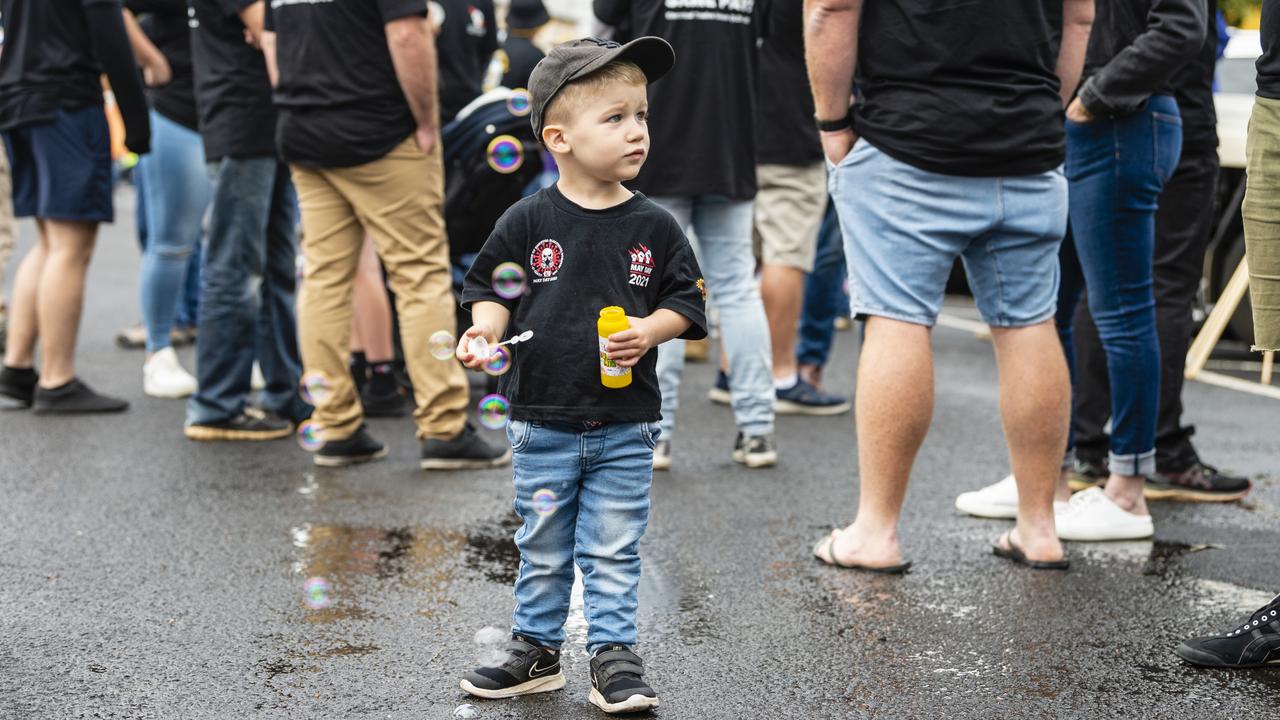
[(786, 383)]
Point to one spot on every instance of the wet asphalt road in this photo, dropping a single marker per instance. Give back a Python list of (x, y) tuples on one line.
[(145, 576)]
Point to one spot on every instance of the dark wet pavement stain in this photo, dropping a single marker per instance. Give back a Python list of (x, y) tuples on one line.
[(492, 551)]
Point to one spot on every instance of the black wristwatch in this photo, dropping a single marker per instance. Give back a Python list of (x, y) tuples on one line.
[(843, 123)]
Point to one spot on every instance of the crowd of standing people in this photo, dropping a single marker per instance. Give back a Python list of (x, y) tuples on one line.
[(1065, 155)]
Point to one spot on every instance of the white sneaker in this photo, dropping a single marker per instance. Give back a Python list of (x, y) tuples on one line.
[(999, 501), (662, 455), (256, 380), (1093, 517), (164, 377)]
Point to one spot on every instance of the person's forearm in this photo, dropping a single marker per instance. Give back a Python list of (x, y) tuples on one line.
[(1174, 34), (144, 50), (1077, 22), (413, 53), (830, 52), (491, 315), (667, 325), (252, 16), (110, 45)]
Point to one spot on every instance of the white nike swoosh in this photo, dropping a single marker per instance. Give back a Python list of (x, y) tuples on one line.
[(536, 671)]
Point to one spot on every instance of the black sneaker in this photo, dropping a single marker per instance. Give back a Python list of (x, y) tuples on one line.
[(617, 681), (1198, 483), (805, 399), (526, 669), (1085, 474), (360, 447), (18, 387), (74, 398), (719, 393), (1256, 643), (251, 425), (466, 451), (756, 451)]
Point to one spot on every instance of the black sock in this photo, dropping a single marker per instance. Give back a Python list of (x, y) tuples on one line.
[(382, 380), (21, 373)]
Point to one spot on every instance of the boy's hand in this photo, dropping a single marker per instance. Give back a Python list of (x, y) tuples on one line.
[(464, 353), (627, 347)]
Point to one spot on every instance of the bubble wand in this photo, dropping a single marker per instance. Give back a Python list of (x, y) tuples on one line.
[(481, 350)]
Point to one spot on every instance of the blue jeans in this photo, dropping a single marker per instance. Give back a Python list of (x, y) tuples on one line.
[(600, 478), (723, 246), (1117, 168), (246, 309), (824, 294), (173, 194)]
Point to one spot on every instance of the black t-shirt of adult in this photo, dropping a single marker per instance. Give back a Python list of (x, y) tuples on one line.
[(233, 91), (702, 122), (576, 262), (786, 133), (167, 25), (522, 56), (467, 40), (1193, 89), (47, 63), (1269, 62), (963, 87), (339, 99)]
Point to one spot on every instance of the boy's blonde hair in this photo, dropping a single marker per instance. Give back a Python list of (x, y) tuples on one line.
[(572, 97)]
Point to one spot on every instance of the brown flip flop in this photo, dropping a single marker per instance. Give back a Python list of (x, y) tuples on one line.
[(829, 546), (1014, 553)]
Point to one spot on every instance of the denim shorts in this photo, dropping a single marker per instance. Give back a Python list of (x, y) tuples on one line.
[(904, 228), (62, 168)]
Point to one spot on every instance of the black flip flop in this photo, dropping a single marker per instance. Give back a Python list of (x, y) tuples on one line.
[(829, 545), (1014, 553)]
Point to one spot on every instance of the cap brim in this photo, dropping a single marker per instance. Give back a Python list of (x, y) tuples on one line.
[(653, 55)]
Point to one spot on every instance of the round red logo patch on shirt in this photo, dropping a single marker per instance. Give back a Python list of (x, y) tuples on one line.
[(546, 258)]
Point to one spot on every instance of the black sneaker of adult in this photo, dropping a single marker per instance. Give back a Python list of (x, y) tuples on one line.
[(805, 399), (360, 447), (251, 425), (1085, 474), (1198, 483), (464, 451), (18, 387), (74, 398), (1256, 643), (527, 668), (617, 681)]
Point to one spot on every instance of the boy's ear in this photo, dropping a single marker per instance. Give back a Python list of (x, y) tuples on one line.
[(554, 139)]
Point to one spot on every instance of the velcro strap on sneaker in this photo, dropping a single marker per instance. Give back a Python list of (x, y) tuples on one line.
[(618, 667), (612, 656)]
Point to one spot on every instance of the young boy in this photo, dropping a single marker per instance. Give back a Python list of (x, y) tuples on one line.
[(583, 453)]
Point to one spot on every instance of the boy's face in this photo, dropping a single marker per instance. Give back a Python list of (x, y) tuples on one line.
[(609, 138)]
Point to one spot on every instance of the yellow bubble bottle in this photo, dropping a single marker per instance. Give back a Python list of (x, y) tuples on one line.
[(613, 319)]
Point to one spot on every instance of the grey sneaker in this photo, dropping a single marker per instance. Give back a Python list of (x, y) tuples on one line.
[(756, 451), (662, 455)]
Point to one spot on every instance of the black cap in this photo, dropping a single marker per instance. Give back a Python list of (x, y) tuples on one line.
[(578, 58), (527, 14)]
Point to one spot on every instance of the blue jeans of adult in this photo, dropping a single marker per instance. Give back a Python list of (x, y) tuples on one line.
[(722, 242), (247, 303), (1116, 168), (824, 295), (173, 194), (584, 496)]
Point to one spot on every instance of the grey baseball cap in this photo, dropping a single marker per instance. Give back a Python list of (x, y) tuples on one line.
[(578, 58)]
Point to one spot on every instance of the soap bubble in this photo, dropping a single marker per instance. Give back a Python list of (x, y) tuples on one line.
[(466, 712), (441, 345), (508, 281), (544, 502), (315, 593), (498, 363), (310, 435), (315, 389), (520, 102), (506, 154), (494, 411), (478, 347), (491, 636)]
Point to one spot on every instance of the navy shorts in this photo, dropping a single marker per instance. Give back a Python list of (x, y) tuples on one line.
[(62, 168)]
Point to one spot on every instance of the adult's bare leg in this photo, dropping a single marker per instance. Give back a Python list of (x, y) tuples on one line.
[(60, 297), (20, 347)]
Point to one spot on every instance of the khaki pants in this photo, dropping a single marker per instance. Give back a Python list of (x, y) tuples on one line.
[(1262, 221), (399, 201), (7, 229)]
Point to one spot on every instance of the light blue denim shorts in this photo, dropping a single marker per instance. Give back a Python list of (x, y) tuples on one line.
[(904, 228)]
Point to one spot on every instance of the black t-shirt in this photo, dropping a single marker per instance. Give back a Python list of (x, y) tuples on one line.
[(47, 61), (1269, 62), (340, 102), (467, 40), (786, 133), (167, 25), (1193, 89), (702, 122), (522, 56), (233, 91), (963, 87), (576, 262)]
